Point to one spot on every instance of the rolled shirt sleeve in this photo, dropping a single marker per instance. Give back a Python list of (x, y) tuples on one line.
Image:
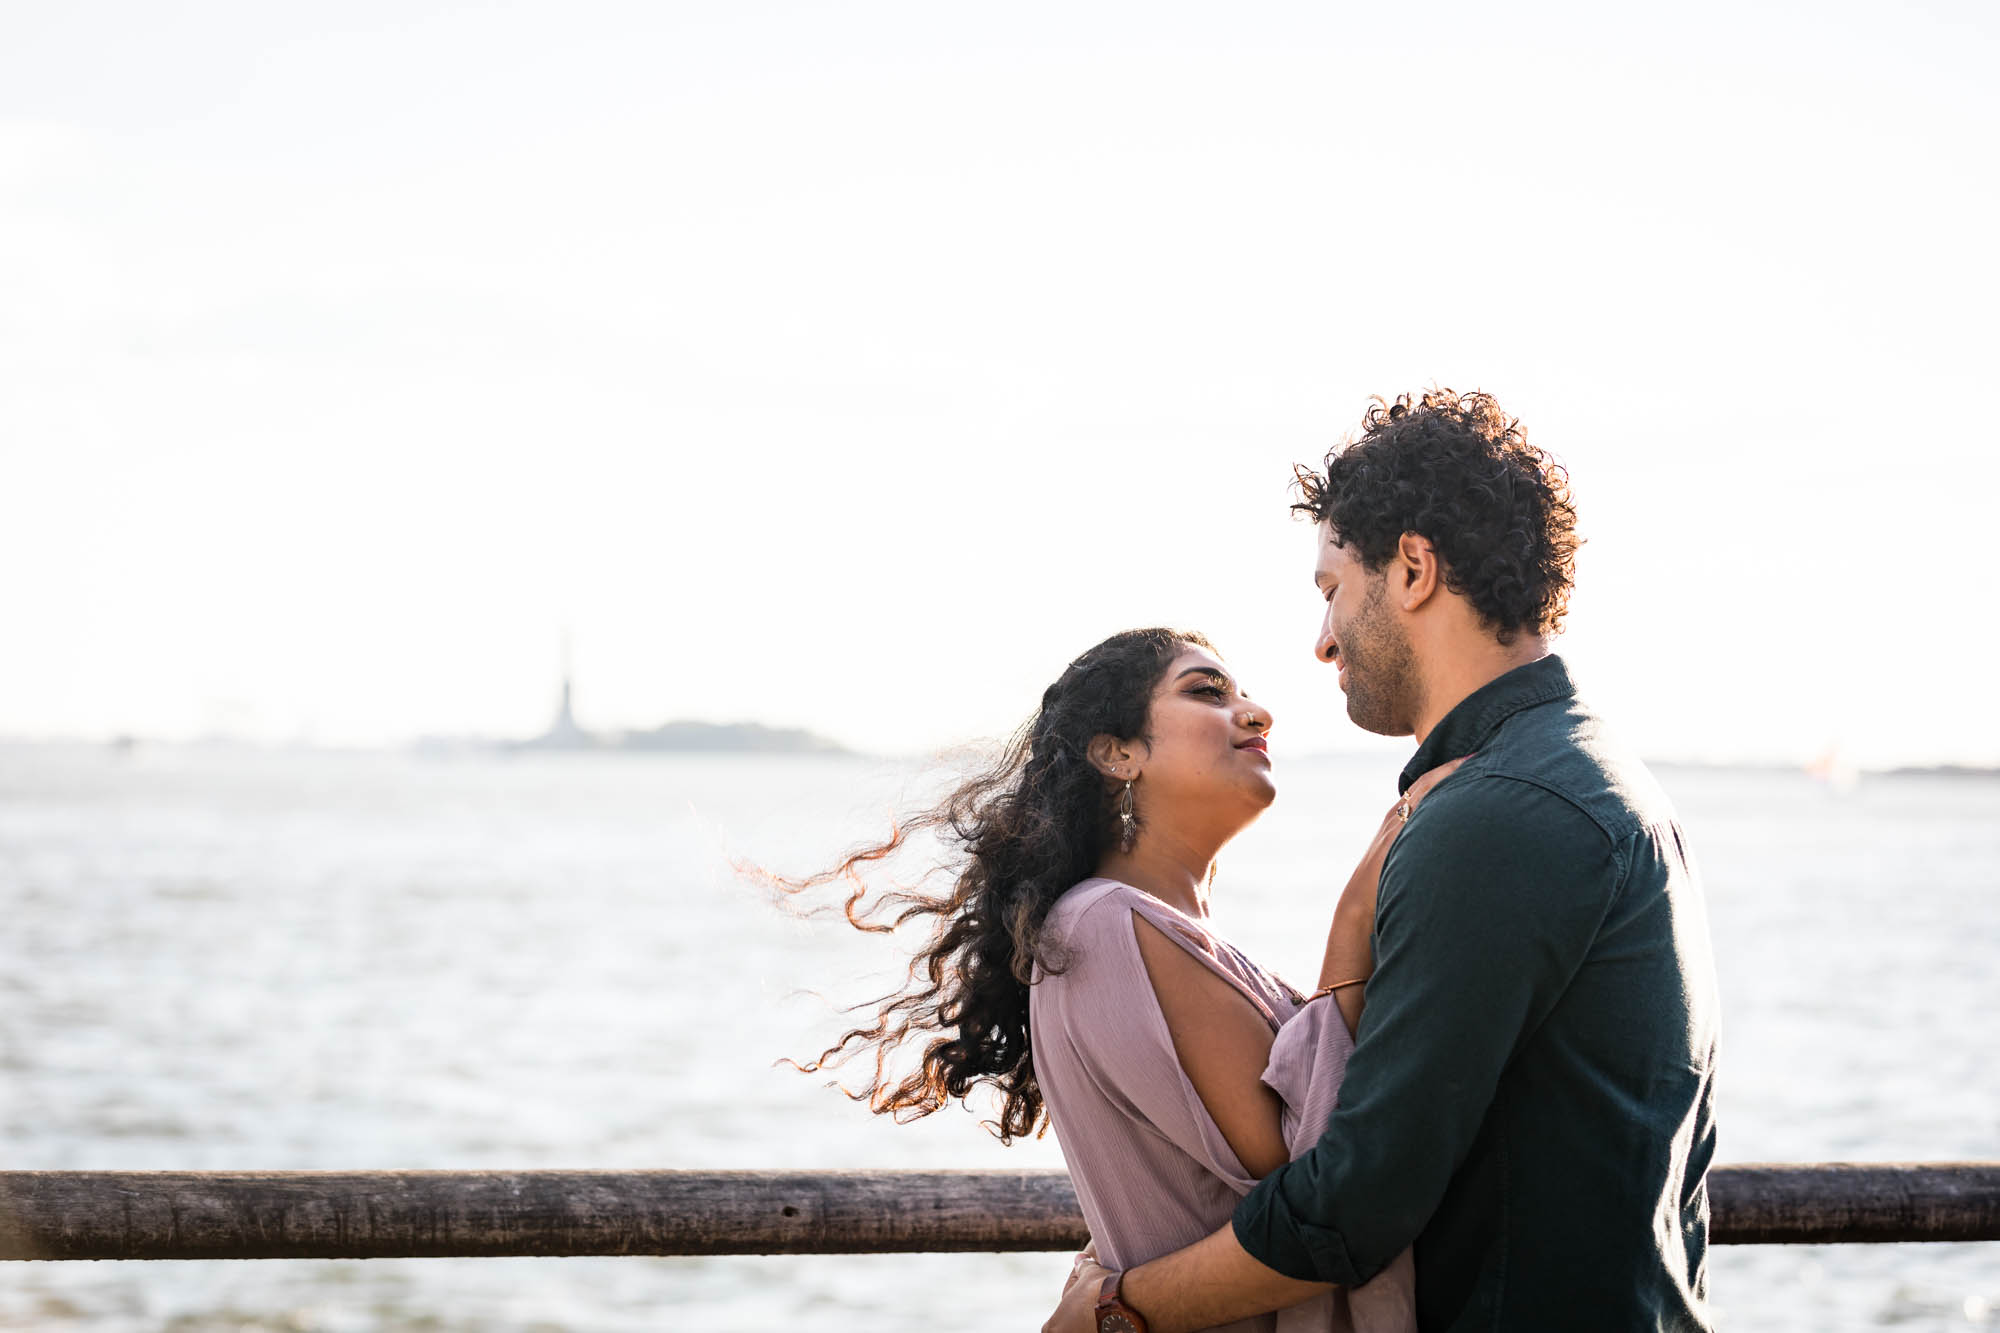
[(1489, 904)]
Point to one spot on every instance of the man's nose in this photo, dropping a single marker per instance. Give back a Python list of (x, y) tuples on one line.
[(1323, 650)]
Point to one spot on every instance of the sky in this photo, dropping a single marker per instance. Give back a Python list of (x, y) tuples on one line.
[(854, 367)]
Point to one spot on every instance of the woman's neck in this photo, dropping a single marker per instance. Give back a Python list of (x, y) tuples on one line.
[(1175, 875)]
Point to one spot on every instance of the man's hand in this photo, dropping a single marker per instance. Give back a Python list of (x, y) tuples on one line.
[(1213, 1281), (1087, 1255)]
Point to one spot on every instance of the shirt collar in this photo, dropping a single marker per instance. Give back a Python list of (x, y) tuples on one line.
[(1479, 714)]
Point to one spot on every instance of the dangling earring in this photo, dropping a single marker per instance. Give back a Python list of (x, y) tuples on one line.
[(1128, 822)]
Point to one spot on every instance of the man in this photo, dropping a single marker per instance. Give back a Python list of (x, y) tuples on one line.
[(1529, 1100)]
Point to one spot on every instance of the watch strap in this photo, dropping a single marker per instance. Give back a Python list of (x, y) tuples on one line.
[(1113, 1314)]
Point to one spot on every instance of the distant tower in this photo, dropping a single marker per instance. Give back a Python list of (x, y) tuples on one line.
[(563, 732), (565, 723)]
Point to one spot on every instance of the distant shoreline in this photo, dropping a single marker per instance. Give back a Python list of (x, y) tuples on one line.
[(688, 737), (1937, 771)]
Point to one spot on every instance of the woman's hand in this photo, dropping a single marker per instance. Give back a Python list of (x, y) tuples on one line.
[(1399, 813), (1422, 786), (1359, 895)]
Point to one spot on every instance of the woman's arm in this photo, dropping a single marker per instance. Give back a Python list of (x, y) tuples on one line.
[(1350, 949), (1223, 1044)]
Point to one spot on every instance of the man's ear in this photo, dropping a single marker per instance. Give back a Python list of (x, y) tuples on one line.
[(1415, 575)]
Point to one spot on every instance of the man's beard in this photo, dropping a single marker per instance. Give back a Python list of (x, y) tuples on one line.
[(1381, 669)]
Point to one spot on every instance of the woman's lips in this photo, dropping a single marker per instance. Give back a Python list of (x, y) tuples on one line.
[(1257, 744)]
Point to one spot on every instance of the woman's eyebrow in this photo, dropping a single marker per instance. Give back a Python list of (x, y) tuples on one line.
[(1219, 677)]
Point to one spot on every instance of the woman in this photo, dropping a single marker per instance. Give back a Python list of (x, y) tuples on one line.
[(1071, 966)]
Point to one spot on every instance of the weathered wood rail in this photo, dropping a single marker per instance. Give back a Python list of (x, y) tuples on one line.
[(430, 1214)]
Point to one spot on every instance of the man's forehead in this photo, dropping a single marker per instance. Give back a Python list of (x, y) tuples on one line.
[(1334, 558)]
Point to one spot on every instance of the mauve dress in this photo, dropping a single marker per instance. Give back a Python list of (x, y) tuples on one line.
[(1152, 1170)]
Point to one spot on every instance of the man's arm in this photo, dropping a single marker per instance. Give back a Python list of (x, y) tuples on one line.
[(1490, 903), (1213, 1281)]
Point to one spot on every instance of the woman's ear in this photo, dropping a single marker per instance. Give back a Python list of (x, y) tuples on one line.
[(1111, 757)]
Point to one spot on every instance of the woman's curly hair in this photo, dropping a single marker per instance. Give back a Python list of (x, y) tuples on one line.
[(1022, 833), (1459, 471)]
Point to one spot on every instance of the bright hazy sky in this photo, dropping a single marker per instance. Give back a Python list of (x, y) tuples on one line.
[(854, 366)]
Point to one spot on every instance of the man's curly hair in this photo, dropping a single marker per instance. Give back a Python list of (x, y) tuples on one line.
[(1459, 471)]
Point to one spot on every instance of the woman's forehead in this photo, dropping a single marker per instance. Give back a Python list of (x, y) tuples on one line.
[(1191, 658)]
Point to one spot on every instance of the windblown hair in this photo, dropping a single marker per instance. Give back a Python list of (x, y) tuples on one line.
[(1459, 471), (1020, 834)]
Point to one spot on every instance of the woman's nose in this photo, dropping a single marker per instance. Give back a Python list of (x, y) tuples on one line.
[(1257, 719)]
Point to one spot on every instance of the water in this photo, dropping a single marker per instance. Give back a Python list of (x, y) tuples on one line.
[(236, 960)]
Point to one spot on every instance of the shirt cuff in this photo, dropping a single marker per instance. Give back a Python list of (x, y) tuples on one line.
[(1268, 1230)]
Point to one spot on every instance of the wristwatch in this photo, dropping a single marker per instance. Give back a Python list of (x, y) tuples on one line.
[(1113, 1314)]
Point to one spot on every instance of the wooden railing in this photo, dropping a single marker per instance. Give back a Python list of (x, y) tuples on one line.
[(428, 1214)]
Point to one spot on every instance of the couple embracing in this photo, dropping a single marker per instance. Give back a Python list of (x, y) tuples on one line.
[(1495, 1110)]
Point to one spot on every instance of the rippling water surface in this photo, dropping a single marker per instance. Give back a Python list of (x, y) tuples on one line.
[(233, 960)]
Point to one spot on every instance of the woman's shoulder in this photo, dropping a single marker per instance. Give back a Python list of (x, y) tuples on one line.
[(1097, 906), (1087, 904), (1089, 930)]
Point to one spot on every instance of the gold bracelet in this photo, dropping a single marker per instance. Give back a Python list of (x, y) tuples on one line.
[(1338, 985)]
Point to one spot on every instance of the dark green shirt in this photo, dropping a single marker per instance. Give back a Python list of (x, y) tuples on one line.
[(1530, 1098)]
